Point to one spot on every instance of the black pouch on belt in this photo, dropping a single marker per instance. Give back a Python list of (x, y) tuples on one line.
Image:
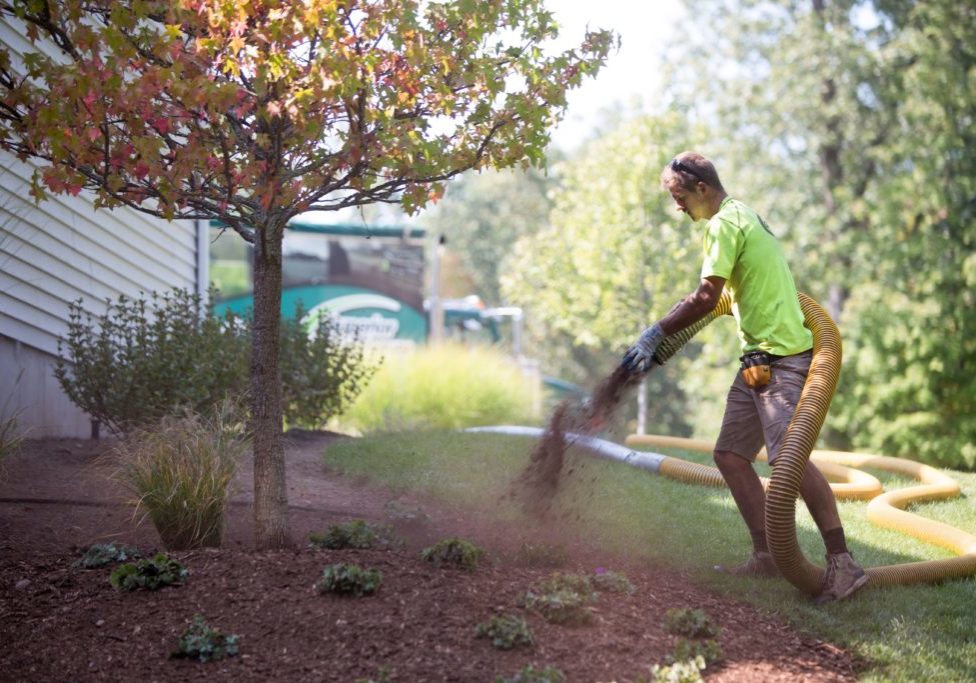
[(755, 369)]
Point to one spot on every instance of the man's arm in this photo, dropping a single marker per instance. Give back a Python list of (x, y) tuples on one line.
[(686, 312), (693, 307)]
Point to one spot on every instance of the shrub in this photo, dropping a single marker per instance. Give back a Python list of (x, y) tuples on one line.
[(506, 631), (202, 642), (709, 650), (181, 472), (679, 672), (444, 387), (530, 674), (454, 552), (101, 554), (692, 623), (349, 579), (354, 534), (151, 574), (612, 582), (563, 599), (144, 359), (322, 373)]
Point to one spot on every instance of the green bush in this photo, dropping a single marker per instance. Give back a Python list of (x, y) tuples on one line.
[(506, 631), (612, 582), (454, 552), (101, 554), (180, 472), (354, 534), (204, 643), (684, 650), (680, 672), (144, 359), (530, 674), (444, 387), (692, 623), (349, 579), (322, 374), (150, 574)]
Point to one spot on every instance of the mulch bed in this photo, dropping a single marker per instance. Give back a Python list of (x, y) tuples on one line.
[(61, 623)]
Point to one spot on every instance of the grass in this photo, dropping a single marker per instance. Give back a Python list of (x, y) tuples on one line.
[(443, 387), (180, 470), (901, 634)]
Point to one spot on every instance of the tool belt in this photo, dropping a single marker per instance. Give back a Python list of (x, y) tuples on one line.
[(755, 368)]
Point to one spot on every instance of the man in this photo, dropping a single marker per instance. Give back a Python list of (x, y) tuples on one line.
[(741, 253)]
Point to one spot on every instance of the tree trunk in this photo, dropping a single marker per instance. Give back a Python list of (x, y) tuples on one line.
[(270, 496)]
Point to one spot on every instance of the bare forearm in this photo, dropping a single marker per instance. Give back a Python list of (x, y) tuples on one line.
[(693, 307)]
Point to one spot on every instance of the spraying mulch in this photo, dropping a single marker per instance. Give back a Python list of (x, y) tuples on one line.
[(537, 484)]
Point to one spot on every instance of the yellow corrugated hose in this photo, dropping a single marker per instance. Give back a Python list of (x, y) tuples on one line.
[(782, 488)]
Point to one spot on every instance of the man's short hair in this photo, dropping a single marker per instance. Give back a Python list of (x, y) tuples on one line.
[(688, 168)]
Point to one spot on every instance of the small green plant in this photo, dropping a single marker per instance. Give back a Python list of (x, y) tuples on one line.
[(382, 676), (611, 582), (101, 554), (692, 623), (506, 631), (181, 471), (530, 674), (680, 672), (349, 579), (541, 554), (455, 552), (354, 534), (563, 599), (204, 643), (709, 650), (150, 574)]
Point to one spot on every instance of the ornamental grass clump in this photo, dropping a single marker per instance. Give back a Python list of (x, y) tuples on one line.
[(453, 552), (611, 582), (506, 631), (150, 574), (204, 643), (180, 472), (349, 579)]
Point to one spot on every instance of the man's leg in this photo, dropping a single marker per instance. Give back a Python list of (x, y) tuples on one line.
[(747, 491)]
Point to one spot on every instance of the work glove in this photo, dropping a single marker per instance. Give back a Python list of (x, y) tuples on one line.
[(639, 356)]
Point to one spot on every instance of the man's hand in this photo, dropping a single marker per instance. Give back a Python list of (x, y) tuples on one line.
[(640, 356)]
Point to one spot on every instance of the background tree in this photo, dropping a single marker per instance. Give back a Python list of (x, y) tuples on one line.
[(614, 257), (847, 123), (252, 113)]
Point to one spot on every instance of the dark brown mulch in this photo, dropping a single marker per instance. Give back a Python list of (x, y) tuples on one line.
[(58, 623)]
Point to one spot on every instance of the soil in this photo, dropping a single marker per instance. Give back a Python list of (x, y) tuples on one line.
[(60, 623)]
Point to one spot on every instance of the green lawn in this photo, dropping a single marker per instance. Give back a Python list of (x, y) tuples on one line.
[(910, 633)]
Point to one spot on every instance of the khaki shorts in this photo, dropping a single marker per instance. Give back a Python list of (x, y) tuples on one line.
[(757, 417)]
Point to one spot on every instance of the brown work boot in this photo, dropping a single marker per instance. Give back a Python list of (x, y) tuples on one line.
[(842, 577), (759, 564)]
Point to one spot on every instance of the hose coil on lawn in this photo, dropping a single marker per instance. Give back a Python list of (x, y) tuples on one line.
[(784, 484)]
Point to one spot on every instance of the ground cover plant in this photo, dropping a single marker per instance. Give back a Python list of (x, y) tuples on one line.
[(202, 642), (354, 534), (101, 554), (533, 674), (453, 552), (506, 631), (349, 579), (901, 633), (149, 574)]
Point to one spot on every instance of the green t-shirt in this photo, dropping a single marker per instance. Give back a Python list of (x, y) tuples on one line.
[(739, 247)]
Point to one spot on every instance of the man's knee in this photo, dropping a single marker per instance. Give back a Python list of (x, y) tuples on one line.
[(728, 460)]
